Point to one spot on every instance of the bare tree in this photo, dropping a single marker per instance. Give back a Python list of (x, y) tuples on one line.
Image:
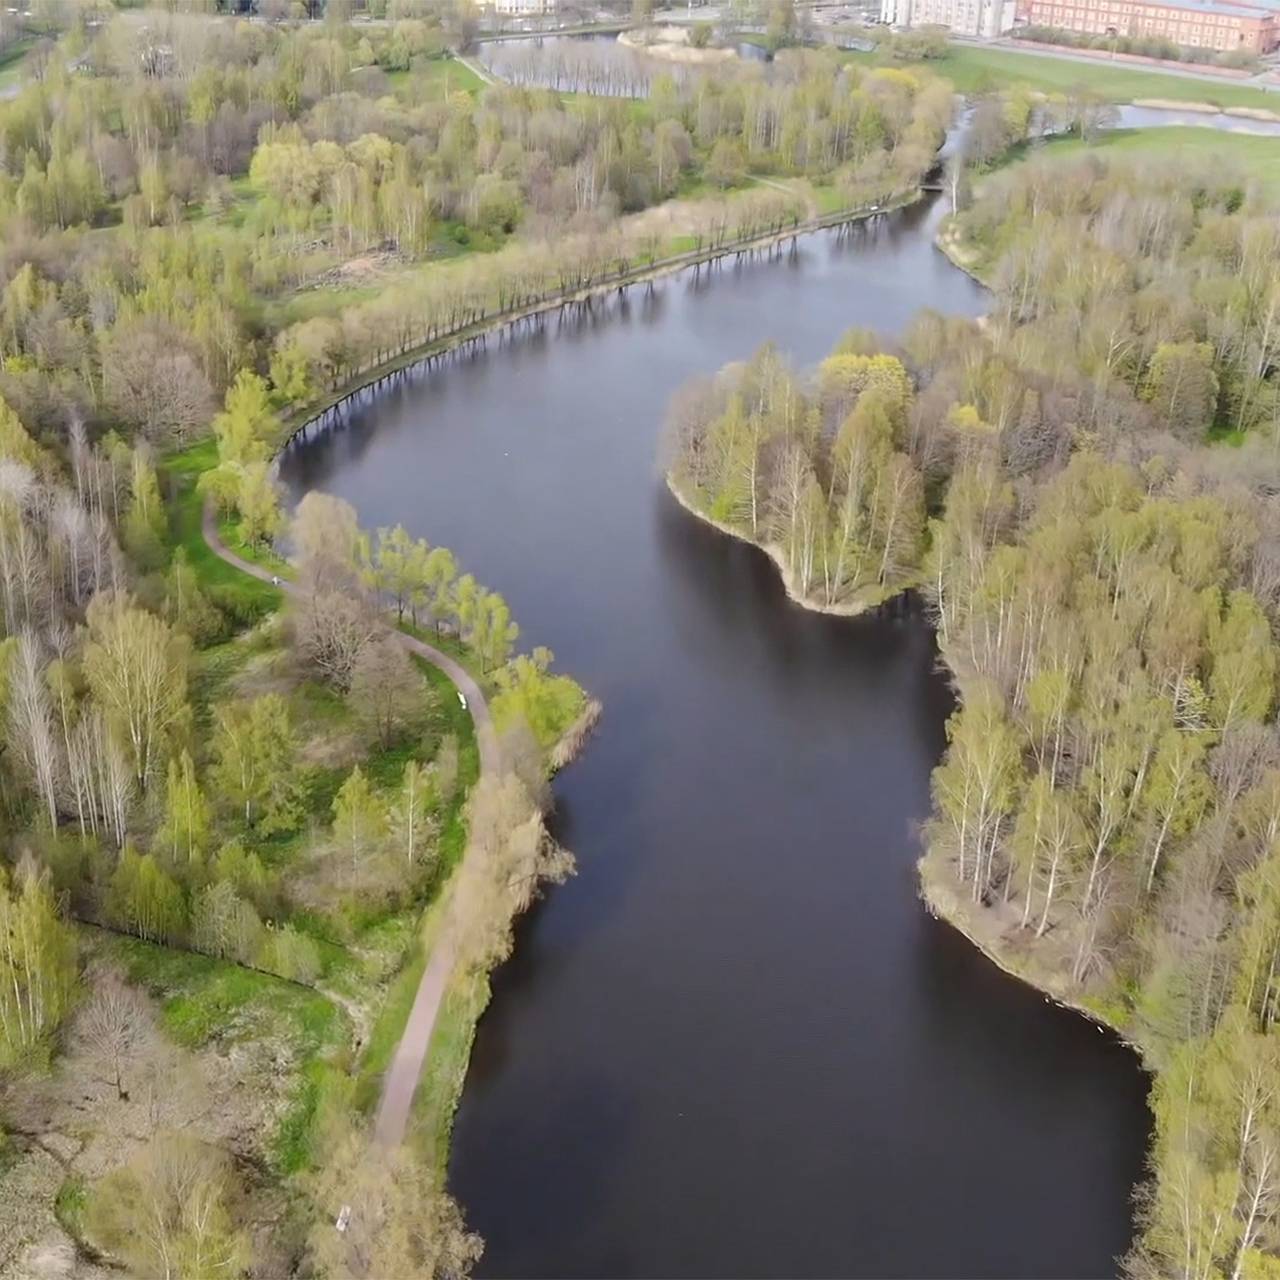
[(114, 1023), (386, 692)]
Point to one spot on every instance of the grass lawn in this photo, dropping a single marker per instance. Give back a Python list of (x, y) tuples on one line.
[(1257, 157), (430, 79), (229, 532), (977, 70), (11, 61), (186, 514)]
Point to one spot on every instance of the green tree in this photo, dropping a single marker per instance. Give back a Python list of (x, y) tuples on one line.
[(143, 900), (135, 665), (186, 606), (528, 691), (1182, 387), (1242, 677), (292, 955), (167, 1212), (976, 787), (255, 763), (411, 814), (247, 429), (185, 830), (359, 819), (37, 965), (258, 503), (145, 527)]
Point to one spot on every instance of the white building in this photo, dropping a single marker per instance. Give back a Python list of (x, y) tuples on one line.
[(984, 18), (524, 8)]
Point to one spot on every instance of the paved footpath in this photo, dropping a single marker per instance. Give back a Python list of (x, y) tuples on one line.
[(401, 1081)]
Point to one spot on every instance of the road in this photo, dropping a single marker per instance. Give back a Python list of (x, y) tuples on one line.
[(401, 1081)]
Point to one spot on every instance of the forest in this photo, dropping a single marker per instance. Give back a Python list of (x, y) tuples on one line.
[(1082, 488), (235, 810), (182, 198)]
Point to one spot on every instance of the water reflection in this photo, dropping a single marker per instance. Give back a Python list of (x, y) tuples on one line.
[(734, 1043)]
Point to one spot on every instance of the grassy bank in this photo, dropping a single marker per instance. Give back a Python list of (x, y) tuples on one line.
[(225, 583), (1257, 157), (410, 936)]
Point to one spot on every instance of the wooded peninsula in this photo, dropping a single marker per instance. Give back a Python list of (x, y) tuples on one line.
[(1082, 489)]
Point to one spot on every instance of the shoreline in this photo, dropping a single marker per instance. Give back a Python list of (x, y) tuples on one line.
[(774, 552), (300, 420), (944, 906), (951, 246), (467, 990), (948, 909)]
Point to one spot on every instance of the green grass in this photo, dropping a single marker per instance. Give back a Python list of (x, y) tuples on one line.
[(205, 999), (291, 1148), (431, 79), (388, 1025), (227, 585), (445, 1070), (978, 70), (1257, 157), (70, 1203), (229, 532), (11, 61)]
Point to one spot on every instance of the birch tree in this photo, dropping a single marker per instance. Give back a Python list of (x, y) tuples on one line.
[(37, 965), (136, 669)]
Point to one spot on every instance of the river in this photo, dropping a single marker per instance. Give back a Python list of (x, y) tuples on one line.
[(734, 1044), (599, 64)]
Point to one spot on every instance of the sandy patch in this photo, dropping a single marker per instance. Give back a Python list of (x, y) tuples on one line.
[(672, 44), (1208, 109)]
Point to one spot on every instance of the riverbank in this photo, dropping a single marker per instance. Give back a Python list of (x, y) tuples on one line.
[(982, 68), (991, 932), (439, 995), (1208, 109), (995, 934), (950, 243), (775, 553), (300, 420), (464, 992)]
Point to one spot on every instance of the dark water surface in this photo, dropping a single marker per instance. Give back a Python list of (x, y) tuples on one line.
[(734, 1044)]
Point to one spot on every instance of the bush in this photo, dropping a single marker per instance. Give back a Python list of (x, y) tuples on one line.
[(241, 609), (290, 954)]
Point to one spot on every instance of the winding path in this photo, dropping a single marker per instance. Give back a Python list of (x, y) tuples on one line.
[(401, 1080)]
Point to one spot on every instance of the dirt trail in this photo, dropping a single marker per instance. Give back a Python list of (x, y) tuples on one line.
[(401, 1081)]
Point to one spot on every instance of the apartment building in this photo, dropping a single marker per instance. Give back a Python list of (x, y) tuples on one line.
[(984, 18), (524, 8), (1223, 25)]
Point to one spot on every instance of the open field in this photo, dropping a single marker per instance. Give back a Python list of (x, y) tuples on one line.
[(433, 78), (975, 70), (1258, 158)]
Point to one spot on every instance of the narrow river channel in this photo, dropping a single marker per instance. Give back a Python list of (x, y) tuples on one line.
[(735, 1044)]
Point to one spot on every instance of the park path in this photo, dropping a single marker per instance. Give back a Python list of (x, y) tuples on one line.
[(401, 1080)]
